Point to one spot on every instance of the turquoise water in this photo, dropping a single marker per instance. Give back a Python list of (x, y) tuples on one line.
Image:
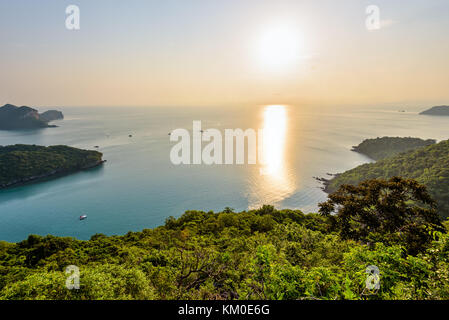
[(139, 187)]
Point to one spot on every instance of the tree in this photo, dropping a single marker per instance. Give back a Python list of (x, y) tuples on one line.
[(390, 211)]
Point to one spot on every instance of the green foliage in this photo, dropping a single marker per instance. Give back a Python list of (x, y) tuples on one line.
[(256, 254), (393, 211), (428, 165), (381, 148), (20, 163)]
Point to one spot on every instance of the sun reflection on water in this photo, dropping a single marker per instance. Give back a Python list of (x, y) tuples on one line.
[(274, 181), (273, 145)]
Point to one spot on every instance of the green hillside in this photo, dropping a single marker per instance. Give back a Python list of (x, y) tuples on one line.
[(381, 148), (428, 165), (260, 254)]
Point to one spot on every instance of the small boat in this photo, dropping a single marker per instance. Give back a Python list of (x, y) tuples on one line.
[(83, 217), (130, 136), (97, 147)]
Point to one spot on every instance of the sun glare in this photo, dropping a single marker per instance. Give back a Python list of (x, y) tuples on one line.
[(279, 47), (274, 139)]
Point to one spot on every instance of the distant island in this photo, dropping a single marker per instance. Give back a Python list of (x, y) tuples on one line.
[(381, 148), (25, 163), (437, 111), (428, 165), (51, 115), (17, 118)]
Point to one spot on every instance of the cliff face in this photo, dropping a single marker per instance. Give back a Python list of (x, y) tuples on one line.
[(51, 115), (13, 118), (437, 111)]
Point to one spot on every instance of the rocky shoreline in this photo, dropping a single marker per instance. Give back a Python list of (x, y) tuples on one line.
[(50, 174), (326, 182)]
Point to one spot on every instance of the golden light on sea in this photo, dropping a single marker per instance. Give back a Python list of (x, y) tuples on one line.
[(274, 181), (273, 145)]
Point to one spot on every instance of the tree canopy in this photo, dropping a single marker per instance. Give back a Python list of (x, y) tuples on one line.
[(394, 211), (257, 254)]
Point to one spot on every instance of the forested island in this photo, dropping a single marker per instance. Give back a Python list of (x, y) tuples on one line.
[(256, 254), (428, 165), (26, 163), (385, 147), (437, 111), (20, 118)]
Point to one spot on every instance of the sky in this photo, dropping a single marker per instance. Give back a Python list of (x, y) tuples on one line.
[(224, 52)]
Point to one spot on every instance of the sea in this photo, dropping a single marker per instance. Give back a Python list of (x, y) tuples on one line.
[(139, 186)]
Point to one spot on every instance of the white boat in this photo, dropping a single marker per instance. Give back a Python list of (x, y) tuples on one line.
[(83, 217)]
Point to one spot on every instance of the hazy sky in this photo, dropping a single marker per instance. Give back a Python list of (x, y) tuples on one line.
[(220, 52)]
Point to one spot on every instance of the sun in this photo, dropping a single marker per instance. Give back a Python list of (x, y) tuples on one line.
[(279, 47)]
